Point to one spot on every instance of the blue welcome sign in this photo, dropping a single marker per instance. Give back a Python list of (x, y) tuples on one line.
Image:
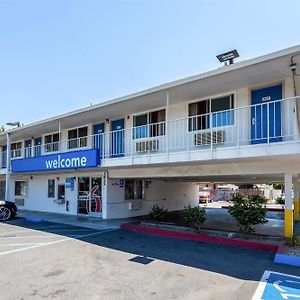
[(274, 285), (60, 161)]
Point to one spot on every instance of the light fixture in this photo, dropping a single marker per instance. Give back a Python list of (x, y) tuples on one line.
[(18, 124), (228, 57), (107, 121)]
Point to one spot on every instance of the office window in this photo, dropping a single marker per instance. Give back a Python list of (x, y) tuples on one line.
[(51, 188), (21, 188), (134, 189), (61, 192), (149, 124), (52, 142), (77, 138)]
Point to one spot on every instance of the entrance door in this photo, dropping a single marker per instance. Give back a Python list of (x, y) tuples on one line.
[(117, 138), (90, 196), (98, 131), (266, 115)]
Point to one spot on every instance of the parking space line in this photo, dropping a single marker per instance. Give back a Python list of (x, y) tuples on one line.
[(23, 244), (56, 242)]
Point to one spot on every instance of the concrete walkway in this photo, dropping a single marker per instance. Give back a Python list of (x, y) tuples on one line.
[(83, 221)]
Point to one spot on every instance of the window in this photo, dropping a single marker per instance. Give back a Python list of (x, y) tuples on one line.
[(2, 190), (21, 188), (134, 189), (61, 192), (219, 109), (149, 124), (16, 149), (51, 188), (52, 142), (222, 109), (77, 138)]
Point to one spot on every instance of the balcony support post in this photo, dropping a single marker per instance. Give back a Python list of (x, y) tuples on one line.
[(167, 125), (8, 164)]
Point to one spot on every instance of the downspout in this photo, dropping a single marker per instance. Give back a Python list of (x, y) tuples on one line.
[(293, 67), (7, 177)]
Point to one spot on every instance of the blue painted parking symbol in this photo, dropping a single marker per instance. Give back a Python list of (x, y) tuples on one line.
[(275, 286)]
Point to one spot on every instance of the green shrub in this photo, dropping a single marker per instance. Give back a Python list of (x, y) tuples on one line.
[(280, 200), (194, 216), (158, 213), (248, 211)]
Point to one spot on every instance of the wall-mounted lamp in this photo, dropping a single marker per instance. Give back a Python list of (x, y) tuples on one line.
[(31, 177), (57, 178), (107, 121), (127, 117)]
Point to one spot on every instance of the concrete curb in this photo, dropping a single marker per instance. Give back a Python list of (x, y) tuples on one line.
[(282, 258), (201, 237)]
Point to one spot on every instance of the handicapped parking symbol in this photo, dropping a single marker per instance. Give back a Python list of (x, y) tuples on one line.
[(274, 285)]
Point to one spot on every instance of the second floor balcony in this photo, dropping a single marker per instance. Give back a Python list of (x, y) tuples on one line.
[(227, 133)]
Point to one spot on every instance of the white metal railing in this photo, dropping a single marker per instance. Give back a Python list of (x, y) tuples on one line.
[(264, 123)]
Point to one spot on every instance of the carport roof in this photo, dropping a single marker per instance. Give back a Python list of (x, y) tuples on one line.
[(266, 68)]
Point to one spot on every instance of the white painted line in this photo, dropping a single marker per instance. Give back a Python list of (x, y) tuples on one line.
[(28, 237), (23, 244), (54, 242)]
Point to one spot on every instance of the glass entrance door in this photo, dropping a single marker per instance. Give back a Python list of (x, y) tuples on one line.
[(90, 196)]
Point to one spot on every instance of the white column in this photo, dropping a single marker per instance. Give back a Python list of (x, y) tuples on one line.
[(8, 154)]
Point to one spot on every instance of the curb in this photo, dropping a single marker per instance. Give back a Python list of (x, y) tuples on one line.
[(201, 237), (282, 258)]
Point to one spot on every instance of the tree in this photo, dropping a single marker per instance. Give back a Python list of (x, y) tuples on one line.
[(2, 129), (248, 211)]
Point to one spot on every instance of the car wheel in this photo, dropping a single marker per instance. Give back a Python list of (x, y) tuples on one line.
[(5, 213)]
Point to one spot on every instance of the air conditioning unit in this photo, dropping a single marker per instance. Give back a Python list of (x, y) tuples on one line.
[(135, 205), (150, 145), (205, 138)]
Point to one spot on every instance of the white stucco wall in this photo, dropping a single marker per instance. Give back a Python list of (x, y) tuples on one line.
[(170, 195)]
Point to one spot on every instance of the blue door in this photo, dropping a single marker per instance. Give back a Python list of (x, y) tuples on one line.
[(266, 115), (98, 132), (38, 146), (117, 138), (28, 145)]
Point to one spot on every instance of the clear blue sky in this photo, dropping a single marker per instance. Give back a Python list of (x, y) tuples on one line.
[(60, 55)]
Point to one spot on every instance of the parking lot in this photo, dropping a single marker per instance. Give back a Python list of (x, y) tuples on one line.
[(58, 261)]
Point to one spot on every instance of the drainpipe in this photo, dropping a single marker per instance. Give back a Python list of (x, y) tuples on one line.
[(7, 182)]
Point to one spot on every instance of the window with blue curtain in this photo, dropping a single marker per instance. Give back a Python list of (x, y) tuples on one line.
[(222, 111), (149, 124)]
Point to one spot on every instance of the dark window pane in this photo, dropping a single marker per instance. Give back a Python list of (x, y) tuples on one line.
[(82, 131), (61, 191), (140, 120), (72, 134), (129, 189), (223, 103), (48, 139), (51, 188), (55, 137)]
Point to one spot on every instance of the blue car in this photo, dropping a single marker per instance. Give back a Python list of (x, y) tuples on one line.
[(8, 210)]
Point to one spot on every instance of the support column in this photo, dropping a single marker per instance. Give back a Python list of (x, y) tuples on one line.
[(7, 177), (296, 199), (288, 212)]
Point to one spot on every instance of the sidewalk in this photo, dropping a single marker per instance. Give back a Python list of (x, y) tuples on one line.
[(88, 222)]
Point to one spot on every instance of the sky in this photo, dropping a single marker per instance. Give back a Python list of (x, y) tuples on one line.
[(61, 55)]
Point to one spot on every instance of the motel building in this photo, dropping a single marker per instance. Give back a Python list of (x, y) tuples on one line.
[(236, 124)]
